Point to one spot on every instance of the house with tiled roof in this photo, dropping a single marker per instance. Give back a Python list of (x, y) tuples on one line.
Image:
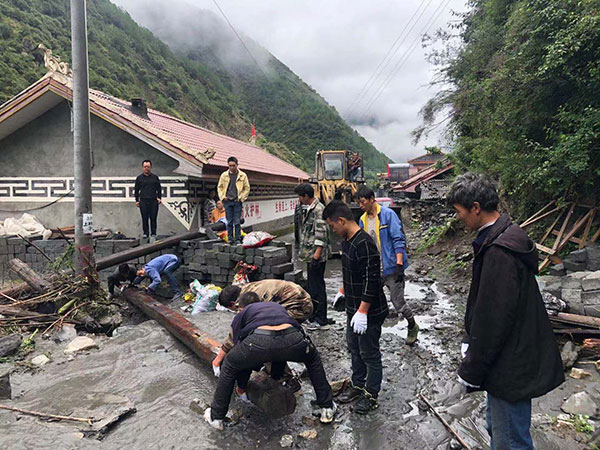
[(423, 162), (36, 162)]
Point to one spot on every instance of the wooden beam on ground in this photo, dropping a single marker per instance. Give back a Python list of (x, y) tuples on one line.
[(269, 395), (27, 274), (587, 321), (142, 250)]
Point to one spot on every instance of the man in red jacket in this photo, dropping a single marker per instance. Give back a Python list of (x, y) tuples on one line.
[(510, 350)]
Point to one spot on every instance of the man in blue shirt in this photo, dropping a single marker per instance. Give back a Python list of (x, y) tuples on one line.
[(384, 226), (161, 265)]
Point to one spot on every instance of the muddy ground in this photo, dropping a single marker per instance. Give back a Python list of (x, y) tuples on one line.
[(142, 364)]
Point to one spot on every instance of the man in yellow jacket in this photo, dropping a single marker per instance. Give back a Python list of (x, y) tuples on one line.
[(233, 190)]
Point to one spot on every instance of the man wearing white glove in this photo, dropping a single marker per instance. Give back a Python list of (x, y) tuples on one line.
[(366, 306)]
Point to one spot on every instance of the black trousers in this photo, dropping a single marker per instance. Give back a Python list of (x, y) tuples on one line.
[(367, 368), (317, 291), (149, 211), (282, 346)]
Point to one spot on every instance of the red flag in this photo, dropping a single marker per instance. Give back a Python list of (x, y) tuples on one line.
[(253, 133)]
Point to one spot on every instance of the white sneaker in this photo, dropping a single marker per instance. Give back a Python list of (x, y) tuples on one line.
[(244, 397), (217, 424), (327, 414)]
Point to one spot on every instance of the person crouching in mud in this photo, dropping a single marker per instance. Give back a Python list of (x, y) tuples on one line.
[(264, 332)]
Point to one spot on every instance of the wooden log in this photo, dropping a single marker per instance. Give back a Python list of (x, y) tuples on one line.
[(270, 396), (587, 321), (142, 250), (30, 276)]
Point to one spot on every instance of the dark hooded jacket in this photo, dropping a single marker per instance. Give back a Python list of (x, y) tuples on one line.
[(512, 352)]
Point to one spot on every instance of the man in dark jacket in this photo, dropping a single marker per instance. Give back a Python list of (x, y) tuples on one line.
[(511, 352), (148, 196), (123, 274), (366, 306)]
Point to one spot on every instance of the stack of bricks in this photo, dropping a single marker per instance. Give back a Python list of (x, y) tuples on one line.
[(214, 261)]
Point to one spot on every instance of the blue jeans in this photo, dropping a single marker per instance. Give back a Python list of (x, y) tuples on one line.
[(508, 424), (233, 213), (168, 272)]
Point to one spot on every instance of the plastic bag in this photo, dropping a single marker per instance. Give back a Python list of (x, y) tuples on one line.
[(207, 297), (242, 273), (257, 239)]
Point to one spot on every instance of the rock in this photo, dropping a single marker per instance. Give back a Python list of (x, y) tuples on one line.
[(569, 354), (9, 344), (573, 280), (580, 403), (310, 421), (339, 385), (574, 266), (557, 270), (309, 434), (198, 406), (40, 360), (591, 282), (287, 440), (578, 374), (573, 298), (80, 343), (66, 334), (5, 388), (578, 256), (591, 302), (593, 257)]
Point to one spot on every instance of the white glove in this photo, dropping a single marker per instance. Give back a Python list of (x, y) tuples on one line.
[(216, 370), (463, 349), (359, 322)]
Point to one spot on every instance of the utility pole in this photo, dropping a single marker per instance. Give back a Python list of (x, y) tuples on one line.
[(84, 248)]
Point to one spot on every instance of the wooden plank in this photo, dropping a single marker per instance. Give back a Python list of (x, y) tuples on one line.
[(551, 228), (524, 224), (27, 274), (563, 227), (588, 321), (543, 248), (142, 250), (574, 240), (275, 399), (574, 230), (543, 216), (586, 232)]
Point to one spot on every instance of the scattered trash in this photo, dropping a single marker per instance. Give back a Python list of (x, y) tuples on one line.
[(206, 296), (309, 434), (287, 440), (256, 239), (578, 374)]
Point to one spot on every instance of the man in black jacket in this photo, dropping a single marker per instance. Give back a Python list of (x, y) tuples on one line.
[(148, 196), (510, 351), (366, 306), (123, 274)]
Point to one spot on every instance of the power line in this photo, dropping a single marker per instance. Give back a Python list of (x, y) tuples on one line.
[(375, 75), (239, 37), (405, 57)]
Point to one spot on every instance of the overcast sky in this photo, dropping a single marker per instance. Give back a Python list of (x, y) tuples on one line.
[(336, 45)]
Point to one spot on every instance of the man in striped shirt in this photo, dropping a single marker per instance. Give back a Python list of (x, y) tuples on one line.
[(366, 306)]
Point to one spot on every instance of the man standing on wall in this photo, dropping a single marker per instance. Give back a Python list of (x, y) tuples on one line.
[(384, 226), (366, 306), (233, 190), (510, 350), (148, 196), (314, 250)]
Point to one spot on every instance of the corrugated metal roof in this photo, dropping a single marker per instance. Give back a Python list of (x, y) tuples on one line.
[(429, 158), (425, 175)]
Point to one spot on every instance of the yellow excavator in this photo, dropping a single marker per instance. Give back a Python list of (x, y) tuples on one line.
[(338, 175)]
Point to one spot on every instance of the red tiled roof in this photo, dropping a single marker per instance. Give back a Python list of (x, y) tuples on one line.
[(198, 145)]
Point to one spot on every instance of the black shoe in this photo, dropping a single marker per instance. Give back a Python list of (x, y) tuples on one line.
[(350, 394), (330, 322), (365, 404)]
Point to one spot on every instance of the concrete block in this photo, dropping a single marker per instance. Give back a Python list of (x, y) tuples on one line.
[(249, 259), (573, 298), (557, 270), (280, 269), (578, 256), (221, 247), (229, 264), (591, 282), (259, 260), (289, 248), (250, 251), (295, 276), (198, 258), (265, 269), (281, 259), (238, 249), (195, 267), (574, 266), (267, 261), (209, 243), (573, 280), (236, 257)]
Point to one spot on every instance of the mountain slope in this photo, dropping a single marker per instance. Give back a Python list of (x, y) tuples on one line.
[(193, 82)]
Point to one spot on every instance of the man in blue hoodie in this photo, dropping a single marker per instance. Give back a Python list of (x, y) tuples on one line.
[(161, 265), (384, 226)]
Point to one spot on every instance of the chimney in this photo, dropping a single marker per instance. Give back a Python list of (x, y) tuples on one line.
[(138, 106)]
